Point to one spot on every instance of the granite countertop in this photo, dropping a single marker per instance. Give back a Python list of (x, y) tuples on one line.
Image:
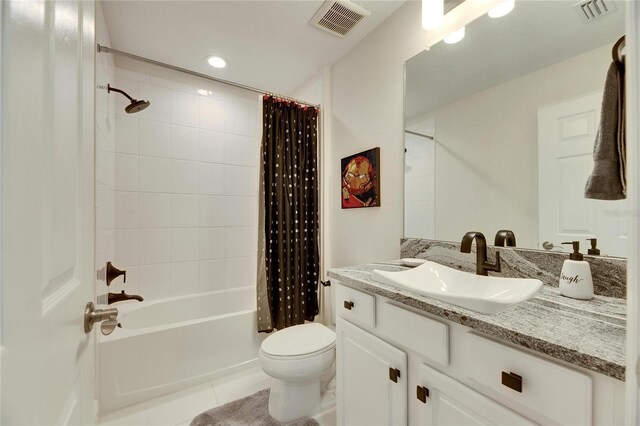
[(589, 334)]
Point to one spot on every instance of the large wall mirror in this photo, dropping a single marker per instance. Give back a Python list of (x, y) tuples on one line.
[(500, 129)]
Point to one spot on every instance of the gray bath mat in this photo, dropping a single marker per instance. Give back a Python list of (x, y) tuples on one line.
[(250, 411)]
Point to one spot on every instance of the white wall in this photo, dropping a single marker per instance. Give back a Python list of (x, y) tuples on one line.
[(367, 111), (105, 153), (186, 184), (487, 148)]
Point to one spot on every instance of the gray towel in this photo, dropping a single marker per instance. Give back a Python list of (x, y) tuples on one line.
[(608, 179)]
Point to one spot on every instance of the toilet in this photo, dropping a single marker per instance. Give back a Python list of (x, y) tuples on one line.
[(297, 359)]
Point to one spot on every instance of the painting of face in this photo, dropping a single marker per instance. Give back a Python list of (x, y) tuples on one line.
[(361, 179)]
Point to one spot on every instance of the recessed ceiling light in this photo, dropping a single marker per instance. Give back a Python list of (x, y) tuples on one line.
[(455, 36), (216, 62), (502, 9)]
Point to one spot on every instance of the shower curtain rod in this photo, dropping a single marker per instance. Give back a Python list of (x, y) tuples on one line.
[(418, 134), (107, 49)]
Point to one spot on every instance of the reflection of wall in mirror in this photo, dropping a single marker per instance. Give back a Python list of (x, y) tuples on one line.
[(419, 181), (486, 146)]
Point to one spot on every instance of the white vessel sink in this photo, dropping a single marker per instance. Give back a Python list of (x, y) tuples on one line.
[(483, 294)]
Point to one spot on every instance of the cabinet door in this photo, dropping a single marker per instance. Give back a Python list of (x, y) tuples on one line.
[(372, 379), (449, 402)]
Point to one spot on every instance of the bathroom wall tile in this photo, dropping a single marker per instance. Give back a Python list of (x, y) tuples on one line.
[(154, 138), (155, 281), (155, 210), (184, 244), (105, 168), (160, 98), (126, 210), (185, 278), (126, 247), (184, 109), (168, 84), (212, 114), (212, 274), (184, 143), (105, 214), (240, 211), (155, 174), (121, 73), (184, 177), (126, 172), (240, 272), (212, 210), (236, 150), (185, 211), (155, 246), (237, 180), (212, 243), (236, 118), (211, 178), (238, 242), (126, 134), (211, 146)]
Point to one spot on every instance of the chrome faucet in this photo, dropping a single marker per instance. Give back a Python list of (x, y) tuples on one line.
[(482, 264), (119, 297)]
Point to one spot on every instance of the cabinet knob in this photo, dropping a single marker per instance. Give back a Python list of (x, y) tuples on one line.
[(512, 381), (422, 393), (348, 304), (394, 373)]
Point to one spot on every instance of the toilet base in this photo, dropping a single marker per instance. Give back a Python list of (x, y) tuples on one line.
[(293, 400)]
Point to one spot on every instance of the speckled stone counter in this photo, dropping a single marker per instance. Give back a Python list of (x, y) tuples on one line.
[(589, 334)]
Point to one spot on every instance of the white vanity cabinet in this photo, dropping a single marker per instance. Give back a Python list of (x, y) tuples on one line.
[(398, 366), (372, 376)]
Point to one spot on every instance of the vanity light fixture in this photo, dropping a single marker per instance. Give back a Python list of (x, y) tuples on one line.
[(455, 36), (502, 9), (432, 13), (216, 61)]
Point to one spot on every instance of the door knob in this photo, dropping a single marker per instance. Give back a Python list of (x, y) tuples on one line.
[(93, 315)]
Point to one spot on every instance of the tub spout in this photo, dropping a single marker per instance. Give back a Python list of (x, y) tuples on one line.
[(119, 297)]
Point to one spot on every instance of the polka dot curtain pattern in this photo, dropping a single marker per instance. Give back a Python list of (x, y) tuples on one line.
[(288, 252)]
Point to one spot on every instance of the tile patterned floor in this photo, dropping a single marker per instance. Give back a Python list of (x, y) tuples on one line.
[(180, 408)]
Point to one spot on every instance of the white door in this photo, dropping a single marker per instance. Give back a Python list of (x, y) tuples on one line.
[(566, 134), (444, 401), (371, 377), (48, 275)]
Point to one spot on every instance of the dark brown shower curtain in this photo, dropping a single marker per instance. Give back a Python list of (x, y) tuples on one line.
[(288, 252)]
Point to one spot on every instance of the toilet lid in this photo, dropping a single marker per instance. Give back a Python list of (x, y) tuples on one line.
[(299, 340)]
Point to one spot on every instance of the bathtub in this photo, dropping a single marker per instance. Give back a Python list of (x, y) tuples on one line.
[(171, 344)]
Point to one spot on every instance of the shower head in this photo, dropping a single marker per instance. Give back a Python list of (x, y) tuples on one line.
[(135, 105)]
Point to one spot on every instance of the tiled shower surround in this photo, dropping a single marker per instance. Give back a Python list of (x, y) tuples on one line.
[(186, 185)]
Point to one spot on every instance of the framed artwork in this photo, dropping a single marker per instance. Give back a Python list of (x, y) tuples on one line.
[(361, 179)]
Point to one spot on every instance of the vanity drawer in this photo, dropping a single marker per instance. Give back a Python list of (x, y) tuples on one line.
[(356, 306), (528, 383), (414, 332)]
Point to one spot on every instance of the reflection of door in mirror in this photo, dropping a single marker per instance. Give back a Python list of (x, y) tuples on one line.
[(419, 180), (566, 132)]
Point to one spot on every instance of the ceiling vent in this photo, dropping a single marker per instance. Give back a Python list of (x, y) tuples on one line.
[(590, 10), (339, 17)]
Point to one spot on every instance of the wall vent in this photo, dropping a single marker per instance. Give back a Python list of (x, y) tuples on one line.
[(339, 17), (590, 10)]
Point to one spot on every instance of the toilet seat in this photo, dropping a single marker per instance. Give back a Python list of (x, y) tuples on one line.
[(300, 341)]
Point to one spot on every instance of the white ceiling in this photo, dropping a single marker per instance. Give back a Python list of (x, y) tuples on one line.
[(535, 35), (269, 44)]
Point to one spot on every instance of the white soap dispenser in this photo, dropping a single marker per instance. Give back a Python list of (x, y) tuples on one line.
[(575, 278)]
